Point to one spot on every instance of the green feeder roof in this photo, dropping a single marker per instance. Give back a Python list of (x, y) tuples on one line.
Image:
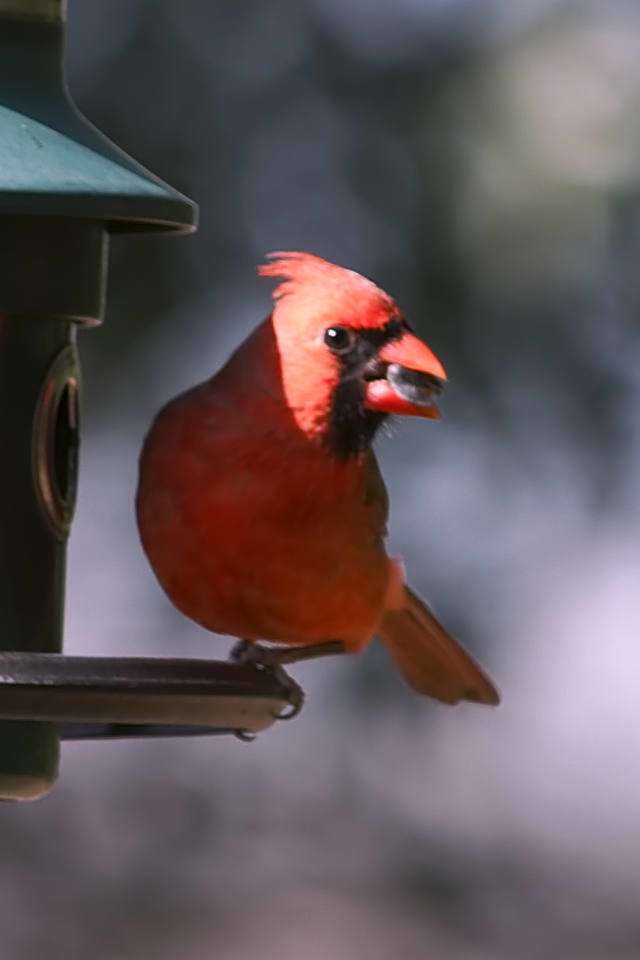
[(53, 161)]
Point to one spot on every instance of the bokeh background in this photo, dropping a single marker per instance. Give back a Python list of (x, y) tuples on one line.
[(481, 161)]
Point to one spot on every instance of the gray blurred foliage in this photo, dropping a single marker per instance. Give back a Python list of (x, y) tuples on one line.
[(481, 161)]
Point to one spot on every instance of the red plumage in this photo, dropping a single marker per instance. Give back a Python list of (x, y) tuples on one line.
[(260, 503)]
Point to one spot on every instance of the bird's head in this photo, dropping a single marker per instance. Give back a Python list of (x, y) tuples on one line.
[(348, 358)]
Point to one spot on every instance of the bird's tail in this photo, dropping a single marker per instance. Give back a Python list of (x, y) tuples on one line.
[(431, 661)]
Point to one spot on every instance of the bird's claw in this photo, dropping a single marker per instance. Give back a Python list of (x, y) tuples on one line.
[(295, 695), (245, 735), (268, 660)]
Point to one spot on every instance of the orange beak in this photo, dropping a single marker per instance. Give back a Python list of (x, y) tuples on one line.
[(414, 378)]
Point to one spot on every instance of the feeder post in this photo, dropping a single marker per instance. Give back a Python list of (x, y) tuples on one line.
[(45, 269)]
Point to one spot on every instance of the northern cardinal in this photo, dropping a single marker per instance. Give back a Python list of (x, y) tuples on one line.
[(260, 504)]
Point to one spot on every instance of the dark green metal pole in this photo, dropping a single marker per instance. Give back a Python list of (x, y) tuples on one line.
[(32, 557), (51, 278)]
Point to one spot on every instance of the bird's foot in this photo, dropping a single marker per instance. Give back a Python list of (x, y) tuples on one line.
[(270, 660)]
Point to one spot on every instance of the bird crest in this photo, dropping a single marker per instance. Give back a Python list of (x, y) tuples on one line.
[(313, 283)]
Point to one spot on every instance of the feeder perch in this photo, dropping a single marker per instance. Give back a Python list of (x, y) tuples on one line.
[(64, 188)]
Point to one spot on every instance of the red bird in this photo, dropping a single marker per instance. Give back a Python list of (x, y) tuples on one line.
[(260, 504)]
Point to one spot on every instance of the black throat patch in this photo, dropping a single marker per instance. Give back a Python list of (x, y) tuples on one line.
[(352, 428)]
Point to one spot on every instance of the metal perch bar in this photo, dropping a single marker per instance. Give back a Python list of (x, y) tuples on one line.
[(105, 696)]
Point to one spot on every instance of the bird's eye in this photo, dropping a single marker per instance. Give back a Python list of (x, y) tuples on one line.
[(339, 339)]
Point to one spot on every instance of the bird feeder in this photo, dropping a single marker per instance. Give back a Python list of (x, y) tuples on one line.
[(64, 188)]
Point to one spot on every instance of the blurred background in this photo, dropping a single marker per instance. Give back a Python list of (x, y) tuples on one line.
[(481, 161)]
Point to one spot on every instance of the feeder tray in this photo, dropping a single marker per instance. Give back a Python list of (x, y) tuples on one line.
[(104, 697)]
